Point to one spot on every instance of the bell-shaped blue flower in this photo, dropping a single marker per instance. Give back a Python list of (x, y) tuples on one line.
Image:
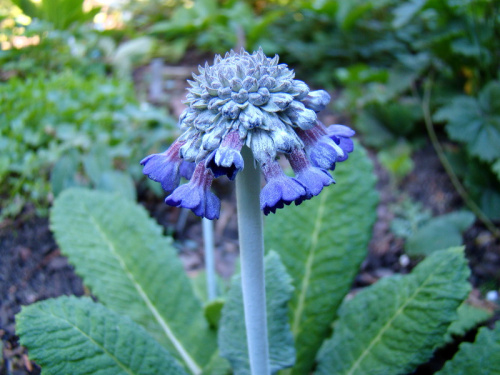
[(280, 189), (341, 134), (164, 167), (196, 194), (313, 178)]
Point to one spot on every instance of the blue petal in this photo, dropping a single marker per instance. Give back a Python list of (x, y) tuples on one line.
[(281, 191), (340, 135), (314, 179), (186, 169), (201, 201), (323, 154), (340, 131), (347, 145), (162, 168)]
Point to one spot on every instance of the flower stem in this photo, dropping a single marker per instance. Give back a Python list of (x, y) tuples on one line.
[(250, 229), (208, 239)]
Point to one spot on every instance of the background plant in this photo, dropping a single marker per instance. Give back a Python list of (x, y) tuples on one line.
[(66, 129)]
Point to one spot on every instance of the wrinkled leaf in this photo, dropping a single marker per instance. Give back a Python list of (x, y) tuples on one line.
[(122, 256), (480, 357), (322, 242), (395, 325), (75, 336), (476, 122), (469, 316)]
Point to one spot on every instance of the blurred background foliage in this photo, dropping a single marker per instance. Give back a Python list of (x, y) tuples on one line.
[(392, 66)]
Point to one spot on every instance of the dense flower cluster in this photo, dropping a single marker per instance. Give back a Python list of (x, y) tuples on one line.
[(249, 100)]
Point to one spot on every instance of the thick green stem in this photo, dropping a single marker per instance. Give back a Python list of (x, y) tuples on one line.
[(447, 166), (251, 238), (208, 239)]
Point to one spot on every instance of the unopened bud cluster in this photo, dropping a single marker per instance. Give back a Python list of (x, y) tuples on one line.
[(249, 100)]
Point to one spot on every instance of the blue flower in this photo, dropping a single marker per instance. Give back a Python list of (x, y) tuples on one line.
[(341, 134), (250, 100), (280, 189), (196, 194), (164, 167), (186, 169), (313, 178)]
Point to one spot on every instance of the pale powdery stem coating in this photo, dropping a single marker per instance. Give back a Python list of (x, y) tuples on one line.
[(249, 100)]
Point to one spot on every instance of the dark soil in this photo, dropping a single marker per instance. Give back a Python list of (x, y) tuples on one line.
[(31, 269)]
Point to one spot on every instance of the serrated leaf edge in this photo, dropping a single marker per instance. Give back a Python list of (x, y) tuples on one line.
[(188, 360), (388, 325)]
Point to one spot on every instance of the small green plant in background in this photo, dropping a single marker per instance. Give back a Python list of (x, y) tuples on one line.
[(64, 130), (145, 297), (425, 234)]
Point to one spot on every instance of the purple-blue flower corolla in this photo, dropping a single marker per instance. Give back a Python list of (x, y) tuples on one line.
[(250, 100)]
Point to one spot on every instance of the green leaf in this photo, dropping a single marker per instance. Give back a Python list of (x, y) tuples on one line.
[(469, 316), (481, 357), (64, 173), (199, 283), (476, 122), (439, 233), (397, 159), (322, 243), (496, 168), (213, 312), (75, 336), (406, 11), (118, 182), (394, 325), (217, 366), (97, 161), (232, 334), (122, 256), (374, 132)]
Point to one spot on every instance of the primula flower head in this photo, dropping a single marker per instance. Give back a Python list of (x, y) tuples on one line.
[(249, 100)]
